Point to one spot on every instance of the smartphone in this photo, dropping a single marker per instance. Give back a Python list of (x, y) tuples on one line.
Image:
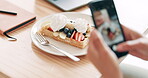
[(107, 23)]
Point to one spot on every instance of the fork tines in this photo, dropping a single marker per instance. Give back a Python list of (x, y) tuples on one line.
[(40, 38)]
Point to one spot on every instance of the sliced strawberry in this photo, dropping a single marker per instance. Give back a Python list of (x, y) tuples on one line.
[(50, 29), (76, 36), (79, 36), (82, 37), (72, 35)]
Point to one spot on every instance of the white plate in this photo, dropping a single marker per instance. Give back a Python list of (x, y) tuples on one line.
[(71, 49)]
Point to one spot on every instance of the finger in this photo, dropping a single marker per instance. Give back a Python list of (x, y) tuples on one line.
[(91, 41), (100, 45), (137, 54), (130, 34), (98, 41), (96, 45), (98, 51), (91, 50), (128, 46), (92, 54)]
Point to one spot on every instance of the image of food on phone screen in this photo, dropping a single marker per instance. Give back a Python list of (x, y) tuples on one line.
[(108, 26)]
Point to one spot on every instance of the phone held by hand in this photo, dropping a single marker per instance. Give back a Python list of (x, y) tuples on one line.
[(106, 22)]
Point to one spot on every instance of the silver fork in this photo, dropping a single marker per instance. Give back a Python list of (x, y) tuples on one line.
[(43, 41)]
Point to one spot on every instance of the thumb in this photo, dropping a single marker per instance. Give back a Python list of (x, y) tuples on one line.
[(127, 46), (98, 40), (100, 46)]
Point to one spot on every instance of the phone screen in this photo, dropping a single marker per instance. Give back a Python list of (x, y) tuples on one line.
[(106, 22), (108, 26)]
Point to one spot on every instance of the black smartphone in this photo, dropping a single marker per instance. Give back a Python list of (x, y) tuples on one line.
[(107, 23)]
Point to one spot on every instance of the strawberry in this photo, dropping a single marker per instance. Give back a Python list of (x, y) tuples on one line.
[(50, 29), (82, 37), (76, 36), (72, 35), (79, 36)]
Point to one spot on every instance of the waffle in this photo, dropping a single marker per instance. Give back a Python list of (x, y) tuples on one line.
[(71, 41)]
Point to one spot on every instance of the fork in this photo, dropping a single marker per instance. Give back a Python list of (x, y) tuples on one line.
[(43, 41)]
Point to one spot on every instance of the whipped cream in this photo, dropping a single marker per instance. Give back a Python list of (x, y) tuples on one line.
[(58, 21), (81, 25)]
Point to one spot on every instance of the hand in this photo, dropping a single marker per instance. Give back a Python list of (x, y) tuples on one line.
[(102, 57), (136, 44)]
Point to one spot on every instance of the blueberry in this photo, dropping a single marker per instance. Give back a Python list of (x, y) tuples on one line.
[(84, 34), (75, 29), (66, 30), (71, 31), (61, 30), (68, 35)]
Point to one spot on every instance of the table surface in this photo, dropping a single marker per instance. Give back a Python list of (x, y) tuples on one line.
[(22, 59)]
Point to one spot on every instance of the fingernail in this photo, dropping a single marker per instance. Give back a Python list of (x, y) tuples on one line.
[(119, 48), (114, 48)]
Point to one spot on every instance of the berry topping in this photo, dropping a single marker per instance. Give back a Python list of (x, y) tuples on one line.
[(66, 30), (82, 37), (75, 29), (50, 29), (79, 36), (84, 34), (76, 36), (61, 30), (71, 31), (72, 35), (69, 35)]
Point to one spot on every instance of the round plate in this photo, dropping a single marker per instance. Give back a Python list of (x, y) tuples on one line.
[(66, 47)]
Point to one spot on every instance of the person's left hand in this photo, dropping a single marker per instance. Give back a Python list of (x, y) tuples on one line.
[(102, 57)]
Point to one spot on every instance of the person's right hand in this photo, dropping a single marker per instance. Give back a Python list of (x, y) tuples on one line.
[(136, 44)]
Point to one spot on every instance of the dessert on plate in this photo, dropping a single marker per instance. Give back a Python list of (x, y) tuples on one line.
[(74, 32)]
